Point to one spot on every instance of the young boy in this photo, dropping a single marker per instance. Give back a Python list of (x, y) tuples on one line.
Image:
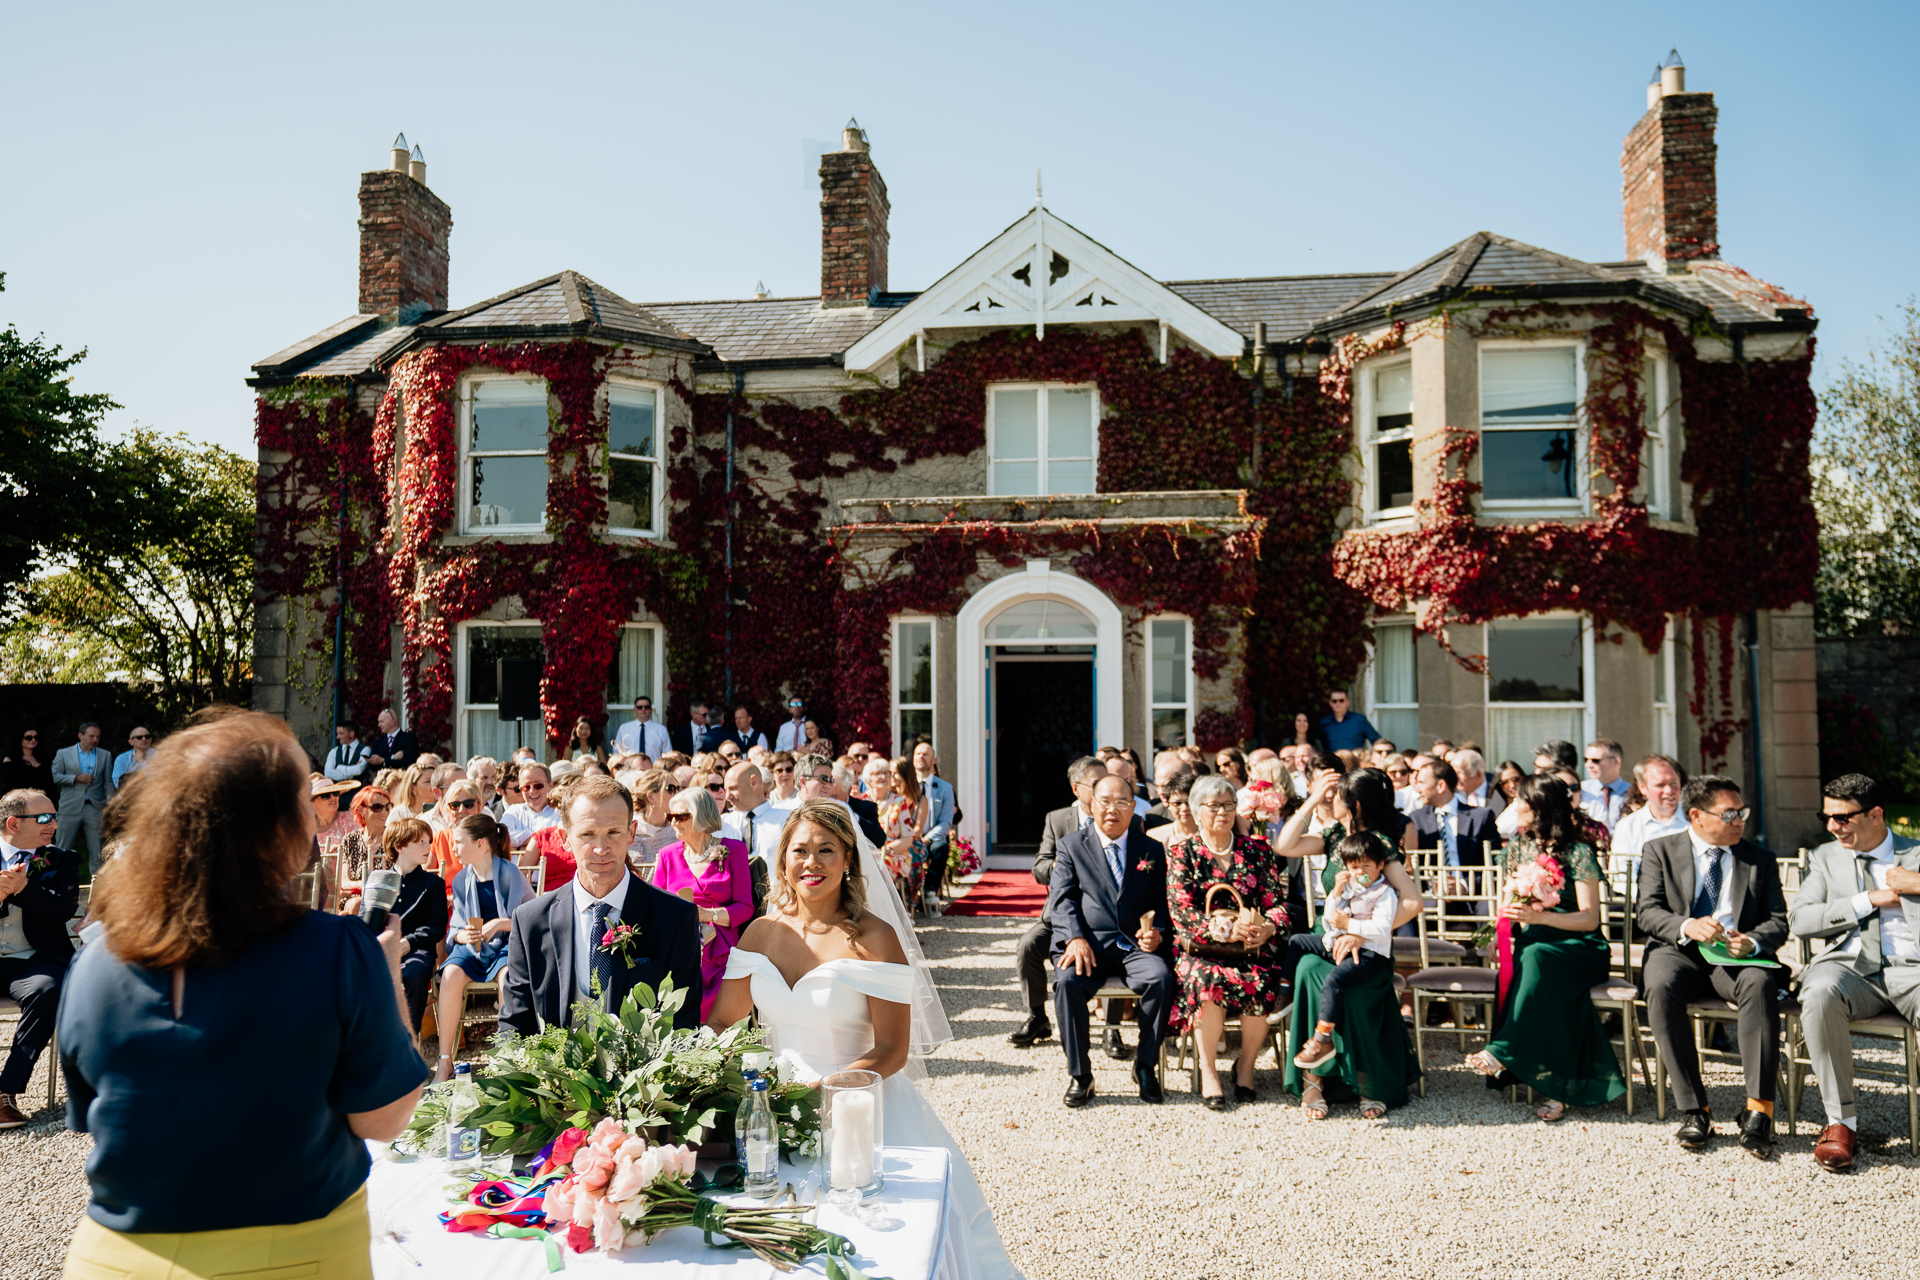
[(1362, 904)]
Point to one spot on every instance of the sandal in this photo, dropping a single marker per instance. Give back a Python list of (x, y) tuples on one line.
[(1550, 1110), (1372, 1110), (1485, 1063), (1313, 1102)]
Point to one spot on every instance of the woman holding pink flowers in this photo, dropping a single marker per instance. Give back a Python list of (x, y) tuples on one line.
[(1546, 1033)]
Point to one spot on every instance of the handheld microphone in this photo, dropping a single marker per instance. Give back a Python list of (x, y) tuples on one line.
[(377, 897)]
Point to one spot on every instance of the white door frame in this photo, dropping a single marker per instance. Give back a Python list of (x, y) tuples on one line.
[(1041, 580)]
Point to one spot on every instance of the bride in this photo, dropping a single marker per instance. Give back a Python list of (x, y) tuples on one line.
[(834, 987)]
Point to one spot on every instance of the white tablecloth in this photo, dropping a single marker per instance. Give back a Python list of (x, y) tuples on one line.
[(908, 1240)]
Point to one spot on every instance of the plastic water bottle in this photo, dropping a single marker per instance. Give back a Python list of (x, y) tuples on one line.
[(463, 1141), (754, 1063), (761, 1140)]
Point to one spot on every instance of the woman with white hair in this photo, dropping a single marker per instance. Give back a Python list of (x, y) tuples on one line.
[(713, 873)]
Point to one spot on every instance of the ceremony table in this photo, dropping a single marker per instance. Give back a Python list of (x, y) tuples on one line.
[(909, 1233)]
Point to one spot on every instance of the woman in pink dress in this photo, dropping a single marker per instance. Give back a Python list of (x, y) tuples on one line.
[(713, 874)]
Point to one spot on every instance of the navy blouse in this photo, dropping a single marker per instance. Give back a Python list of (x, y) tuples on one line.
[(271, 1053)]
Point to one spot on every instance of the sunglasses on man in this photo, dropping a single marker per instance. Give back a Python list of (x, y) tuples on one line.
[(40, 819)]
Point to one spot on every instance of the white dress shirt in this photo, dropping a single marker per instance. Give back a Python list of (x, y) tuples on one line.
[(648, 737), (521, 821), (1723, 910), (1603, 803), (346, 762), (1406, 800), (13, 925), (791, 736), (1896, 931), (1632, 833), (584, 943), (766, 822)]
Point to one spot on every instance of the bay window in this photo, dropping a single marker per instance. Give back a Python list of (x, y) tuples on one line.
[(1539, 682), (1169, 683), (504, 481), (1393, 701), (633, 459), (912, 682), (1530, 454), (1390, 439)]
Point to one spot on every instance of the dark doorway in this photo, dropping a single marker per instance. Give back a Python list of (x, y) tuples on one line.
[(1042, 720)]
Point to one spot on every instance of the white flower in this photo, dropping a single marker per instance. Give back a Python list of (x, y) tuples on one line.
[(788, 1067), (796, 1111)]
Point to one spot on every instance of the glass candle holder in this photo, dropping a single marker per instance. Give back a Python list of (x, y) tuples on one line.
[(852, 1134)]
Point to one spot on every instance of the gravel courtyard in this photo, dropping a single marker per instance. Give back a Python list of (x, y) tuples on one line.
[(1458, 1183)]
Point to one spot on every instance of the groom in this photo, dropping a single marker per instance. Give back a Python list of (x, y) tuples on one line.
[(556, 953), (1109, 906)]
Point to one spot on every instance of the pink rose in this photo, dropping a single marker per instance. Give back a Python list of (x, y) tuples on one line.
[(559, 1201), (585, 1201), (627, 1181), (607, 1136), (684, 1159), (596, 1178), (633, 1147), (609, 1233)]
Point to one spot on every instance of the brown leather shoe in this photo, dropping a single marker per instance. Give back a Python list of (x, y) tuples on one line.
[(1834, 1151), (10, 1117)]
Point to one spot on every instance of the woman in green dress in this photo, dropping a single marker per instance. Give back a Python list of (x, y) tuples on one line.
[(1373, 1054), (1547, 1034)]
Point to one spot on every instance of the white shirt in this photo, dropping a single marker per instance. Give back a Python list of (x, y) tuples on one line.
[(346, 762), (1603, 803), (521, 821), (1370, 913), (584, 943), (1702, 855), (648, 737), (1896, 931), (13, 925), (791, 802), (766, 821), (1476, 798), (1638, 827), (792, 734), (1406, 800)]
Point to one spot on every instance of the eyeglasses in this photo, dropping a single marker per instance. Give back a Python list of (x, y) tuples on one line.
[(1220, 806), (533, 786), (783, 768), (28, 737), (857, 755), (674, 788), (462, 804), (378, 808), (679, 817), (1842, 818), (1735, 815), (1596, 759)]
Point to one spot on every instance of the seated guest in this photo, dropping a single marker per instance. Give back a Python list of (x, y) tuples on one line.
[(1357, 803), (487, 889), (444, 776), (421, 909), (1036, 944), (1547, 1034), (371, 809), (533, 812), (1213, 987), (558, 954), (713, 874), (1358, 949), (208, 983), (1108, 903), (1603, 796), (414, 798), (1445, 821), (1710, 885), (330, 826), (460, 802), (1176, 800), (1660, 779), (1853, 894), (652, 829), (1475, 789), (39, 893)]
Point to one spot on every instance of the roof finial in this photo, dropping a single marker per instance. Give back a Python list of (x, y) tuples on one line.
[(1036, 186)]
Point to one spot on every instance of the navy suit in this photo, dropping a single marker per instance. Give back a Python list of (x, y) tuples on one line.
[(44, 905), (1474, 833), (1085, 903), (538, 987)]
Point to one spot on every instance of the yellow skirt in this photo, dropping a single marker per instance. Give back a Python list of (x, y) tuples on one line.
[(334, 1247)]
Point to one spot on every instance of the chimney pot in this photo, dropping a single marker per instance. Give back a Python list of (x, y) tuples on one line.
[(1667, 175), (853, 137), (417, 166), (398, 161), (1653, 87), (760, 289)]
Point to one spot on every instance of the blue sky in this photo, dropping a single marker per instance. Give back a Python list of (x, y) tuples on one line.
[(181, 193)]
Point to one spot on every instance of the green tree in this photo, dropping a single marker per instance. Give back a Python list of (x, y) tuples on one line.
[(48, 440), (162, 588)]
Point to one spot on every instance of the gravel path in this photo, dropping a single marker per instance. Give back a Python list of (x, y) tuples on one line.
[(1460, 1183)]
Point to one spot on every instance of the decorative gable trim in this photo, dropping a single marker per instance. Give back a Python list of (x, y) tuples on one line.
[(1042, 271)]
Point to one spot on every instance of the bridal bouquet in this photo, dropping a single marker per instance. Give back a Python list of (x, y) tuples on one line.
[(1536, 885), (635, 1067)]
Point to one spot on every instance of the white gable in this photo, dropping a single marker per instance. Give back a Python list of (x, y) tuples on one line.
[(1041, 271)]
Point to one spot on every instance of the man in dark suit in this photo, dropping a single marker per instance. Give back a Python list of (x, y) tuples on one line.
[(742, 733), (39, 891), (1708, 885), (1445, 821), (1037, 942), (557, 954), (393, 747), (1108, 900), (688, 737)]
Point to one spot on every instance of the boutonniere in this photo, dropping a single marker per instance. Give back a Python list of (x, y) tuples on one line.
[(1145, 864), (39, 863), (619, 940)]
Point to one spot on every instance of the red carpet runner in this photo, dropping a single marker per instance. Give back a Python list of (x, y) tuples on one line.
[(1002, 893)]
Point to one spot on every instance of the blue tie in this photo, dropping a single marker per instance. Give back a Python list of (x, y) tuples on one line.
[(600, 967), (1708, 898), (1113, 865), (1448, 838)]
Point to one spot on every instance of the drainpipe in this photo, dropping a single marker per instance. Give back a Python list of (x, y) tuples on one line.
[(1753, 595), (340, 609), (739, 389), (1259, 392)]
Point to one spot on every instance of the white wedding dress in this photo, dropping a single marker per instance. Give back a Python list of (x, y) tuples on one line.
[(824, 1022)]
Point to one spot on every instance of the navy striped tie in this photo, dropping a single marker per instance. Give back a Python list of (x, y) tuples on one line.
[(1707, 900)]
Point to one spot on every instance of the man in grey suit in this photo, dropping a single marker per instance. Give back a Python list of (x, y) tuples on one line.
[(82, 772), (1863, 890), (1708, 885)]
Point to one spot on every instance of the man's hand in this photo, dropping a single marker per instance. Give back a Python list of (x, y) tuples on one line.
[(1901, 880), (1147, 940), (12, 881), (1739, 944), (1346, 946), (1703, 929), (376, 761), (84, 779), (1884, 897), (1078, 957), (394, 944)]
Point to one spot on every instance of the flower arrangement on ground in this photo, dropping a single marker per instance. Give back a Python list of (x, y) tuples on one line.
[(962, 858), (633, 1067)]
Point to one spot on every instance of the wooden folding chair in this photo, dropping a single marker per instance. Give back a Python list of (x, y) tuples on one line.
[(1714, 1009), (1451, 981), (1115, 989), (1619, 992)]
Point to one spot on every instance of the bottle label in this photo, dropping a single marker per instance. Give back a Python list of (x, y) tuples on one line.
[(462, 1143), (763, 1157)]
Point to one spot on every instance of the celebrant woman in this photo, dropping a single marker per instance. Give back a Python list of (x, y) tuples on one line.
[(839, 982), (203, 964), (714, 875)]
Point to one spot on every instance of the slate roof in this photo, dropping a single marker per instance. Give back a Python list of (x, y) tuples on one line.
[(773, 328), (567, 303), (1289, 304)]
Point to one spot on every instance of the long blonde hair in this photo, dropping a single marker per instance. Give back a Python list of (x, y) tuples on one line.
[(832, 815)]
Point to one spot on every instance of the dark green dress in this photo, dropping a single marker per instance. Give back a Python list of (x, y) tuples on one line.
[(1548, 1033), (1372, 1052)]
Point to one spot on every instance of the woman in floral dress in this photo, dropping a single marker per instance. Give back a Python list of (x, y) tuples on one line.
[(1213, 989), (1547, 1034)]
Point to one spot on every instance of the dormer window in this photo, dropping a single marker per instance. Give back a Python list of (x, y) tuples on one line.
[(504, 480), (1041, 440), (1390, 439), (1530, 447)]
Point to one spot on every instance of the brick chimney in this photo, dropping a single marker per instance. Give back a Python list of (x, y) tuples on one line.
[(853, 223), (403, 239), (1667, 173)]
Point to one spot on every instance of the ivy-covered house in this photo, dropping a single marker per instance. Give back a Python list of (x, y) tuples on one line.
[(1050, 502)]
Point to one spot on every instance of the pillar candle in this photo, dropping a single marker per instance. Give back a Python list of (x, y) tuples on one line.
[(852, 1152)]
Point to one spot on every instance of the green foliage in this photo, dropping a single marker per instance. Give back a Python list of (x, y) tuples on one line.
[(1866, 486), (49, 486), (160, 587)]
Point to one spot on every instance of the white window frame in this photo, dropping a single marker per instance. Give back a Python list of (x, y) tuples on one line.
[(464, 497), (1370, 439), (618, 713), (894, 652), (658, 460), (1656, 481), (1041, 442), (462, 674), (1587, 729), (1582, 501), (1190, 685), (1666, 733), (1375, 704)]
